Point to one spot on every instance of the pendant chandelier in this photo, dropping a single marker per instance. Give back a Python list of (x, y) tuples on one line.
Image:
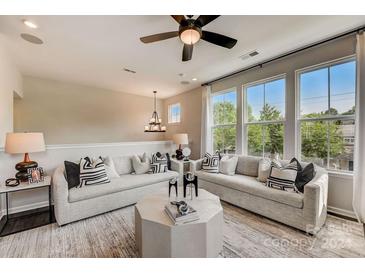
[(155, 123)]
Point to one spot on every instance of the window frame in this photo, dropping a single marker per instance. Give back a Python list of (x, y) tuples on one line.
[(211, 109), (329, 117), (246, 123), (169, 116)]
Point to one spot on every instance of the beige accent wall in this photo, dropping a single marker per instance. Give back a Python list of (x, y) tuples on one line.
[(69, 113), (191, 108)]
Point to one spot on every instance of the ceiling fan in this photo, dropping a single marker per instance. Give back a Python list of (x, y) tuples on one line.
[(190, 32)]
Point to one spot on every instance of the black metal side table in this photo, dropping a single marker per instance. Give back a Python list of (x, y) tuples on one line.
[(24, 186)]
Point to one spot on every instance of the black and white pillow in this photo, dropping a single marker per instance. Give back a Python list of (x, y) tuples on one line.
[(304, 176), (282, 177), (92, 172), (210, 163), (159, 163)]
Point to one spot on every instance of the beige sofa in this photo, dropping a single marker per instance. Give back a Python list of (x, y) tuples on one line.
[(305, 211), (79, 203)]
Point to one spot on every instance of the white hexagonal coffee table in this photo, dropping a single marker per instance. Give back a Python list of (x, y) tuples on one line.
[(158, 237)]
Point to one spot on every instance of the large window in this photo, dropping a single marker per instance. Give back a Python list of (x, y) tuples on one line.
[(174, 113), (264, 117), (326, 115), (224, 107)]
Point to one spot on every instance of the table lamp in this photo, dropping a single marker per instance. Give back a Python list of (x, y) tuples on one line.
[(26, 143), (180, 139)]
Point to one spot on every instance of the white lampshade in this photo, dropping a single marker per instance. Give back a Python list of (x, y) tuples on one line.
[(24, 142), (180, 139)]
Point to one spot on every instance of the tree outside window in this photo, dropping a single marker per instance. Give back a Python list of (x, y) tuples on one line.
[(265, 113), (224, 122), (327, 115)]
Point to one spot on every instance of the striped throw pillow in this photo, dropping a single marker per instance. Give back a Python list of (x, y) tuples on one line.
[(210, 163), (158, 163), (92, 172), (282, 177)]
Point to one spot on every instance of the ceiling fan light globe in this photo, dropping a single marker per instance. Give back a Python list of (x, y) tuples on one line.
[(190, 36)]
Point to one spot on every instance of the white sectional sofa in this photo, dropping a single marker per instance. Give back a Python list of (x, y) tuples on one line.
[(306, 211), (78, 203)]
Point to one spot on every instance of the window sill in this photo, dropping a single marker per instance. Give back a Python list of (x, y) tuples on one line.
[(174, 123), (339, 174)]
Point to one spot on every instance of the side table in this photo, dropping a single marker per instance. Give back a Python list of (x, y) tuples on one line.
[(21, 187)]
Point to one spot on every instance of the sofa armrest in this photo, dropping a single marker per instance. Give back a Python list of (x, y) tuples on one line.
[(178, 166), (196, 165), (60, 194), (315, 199)]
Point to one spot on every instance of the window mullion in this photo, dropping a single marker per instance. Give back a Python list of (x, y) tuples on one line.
[(329, 113)]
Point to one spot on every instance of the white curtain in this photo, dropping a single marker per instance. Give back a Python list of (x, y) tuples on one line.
[(206, 137), (359, 157)]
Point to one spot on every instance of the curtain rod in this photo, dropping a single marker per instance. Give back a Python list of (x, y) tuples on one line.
[(359, 29)]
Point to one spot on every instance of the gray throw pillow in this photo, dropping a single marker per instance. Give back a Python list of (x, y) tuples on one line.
[(141, 165), (110, 168), (227, 165), (264, 169)]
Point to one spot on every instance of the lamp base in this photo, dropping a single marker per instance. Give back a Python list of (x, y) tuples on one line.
[(179, 154), (22, 168)]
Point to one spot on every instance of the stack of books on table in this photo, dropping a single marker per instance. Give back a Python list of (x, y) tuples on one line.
[(179, 218)]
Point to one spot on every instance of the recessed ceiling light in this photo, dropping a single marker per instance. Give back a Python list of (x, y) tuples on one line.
[(30, 24), (31, 38), (185, 82), (194, 79)]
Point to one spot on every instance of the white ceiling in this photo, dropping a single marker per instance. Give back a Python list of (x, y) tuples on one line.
[(93, 50)]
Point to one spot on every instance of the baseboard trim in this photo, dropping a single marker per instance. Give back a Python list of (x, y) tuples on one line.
[(342, 212), (24, 208)]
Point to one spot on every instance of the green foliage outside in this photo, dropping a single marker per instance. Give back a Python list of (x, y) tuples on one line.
[(313, 133), (224, 138)]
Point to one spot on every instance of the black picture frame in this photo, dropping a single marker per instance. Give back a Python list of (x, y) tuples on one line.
[(35, 175)]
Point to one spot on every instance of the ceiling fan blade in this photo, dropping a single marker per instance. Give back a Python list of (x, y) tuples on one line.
[(218, 39), (159, 36), (203, 20), (187, 52), (178, 18)]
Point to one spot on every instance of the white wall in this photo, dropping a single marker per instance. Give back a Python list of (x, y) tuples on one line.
[(10, 83), (55, 155)]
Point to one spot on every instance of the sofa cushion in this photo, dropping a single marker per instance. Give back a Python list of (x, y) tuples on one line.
[(248, 165), (123, 164), (250, 185), (142, 164), (211, 163), (227, 165), (92, 172), (124, 182), (282, 177), (72, 172), (158, 163), (110, 167), (264, 169)]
